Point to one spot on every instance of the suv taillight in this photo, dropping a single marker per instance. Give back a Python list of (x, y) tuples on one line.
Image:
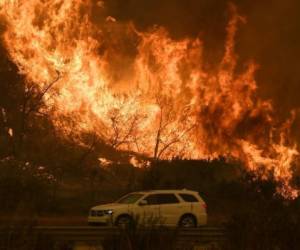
[(204, 205)]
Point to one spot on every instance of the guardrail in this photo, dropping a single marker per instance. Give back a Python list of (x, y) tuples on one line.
[(98, 234)]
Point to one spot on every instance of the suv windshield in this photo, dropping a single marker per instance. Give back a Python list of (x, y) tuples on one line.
[(130, 198)]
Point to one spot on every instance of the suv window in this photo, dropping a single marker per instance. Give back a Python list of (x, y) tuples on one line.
[(155, 199), (151, 199), (188, 198), (167, 199)]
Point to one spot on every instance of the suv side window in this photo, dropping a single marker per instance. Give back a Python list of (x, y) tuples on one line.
[(167, 199), (188, 198), (155, 199), (152, 199)]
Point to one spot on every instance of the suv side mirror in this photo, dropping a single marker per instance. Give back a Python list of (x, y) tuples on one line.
[(143, 203)]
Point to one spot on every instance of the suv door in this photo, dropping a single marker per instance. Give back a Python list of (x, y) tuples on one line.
[(170, 208), (150, 211)]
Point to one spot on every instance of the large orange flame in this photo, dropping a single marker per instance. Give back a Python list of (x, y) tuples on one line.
[(167, 106)]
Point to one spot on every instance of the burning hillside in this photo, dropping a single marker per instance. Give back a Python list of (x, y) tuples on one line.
[(162, 102)]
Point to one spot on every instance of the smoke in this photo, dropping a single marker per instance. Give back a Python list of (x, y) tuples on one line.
[(272, 38)]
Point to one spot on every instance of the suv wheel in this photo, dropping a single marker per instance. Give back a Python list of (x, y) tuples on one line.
[(188, 221), (123, 221)]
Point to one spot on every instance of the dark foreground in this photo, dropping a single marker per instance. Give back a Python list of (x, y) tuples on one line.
[(79, 237)]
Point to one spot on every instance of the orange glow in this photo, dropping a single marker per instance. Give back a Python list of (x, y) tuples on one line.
[(167, 106)]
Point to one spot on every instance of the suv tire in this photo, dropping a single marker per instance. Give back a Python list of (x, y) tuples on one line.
[(123, 221), (188, 221)]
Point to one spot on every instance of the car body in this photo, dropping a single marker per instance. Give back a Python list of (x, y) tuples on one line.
[(164, 207)]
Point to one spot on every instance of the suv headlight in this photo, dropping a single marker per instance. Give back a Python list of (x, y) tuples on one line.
[(99, 213), (108, 212)]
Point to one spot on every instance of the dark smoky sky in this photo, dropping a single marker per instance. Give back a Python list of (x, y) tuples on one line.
[(271, 36)]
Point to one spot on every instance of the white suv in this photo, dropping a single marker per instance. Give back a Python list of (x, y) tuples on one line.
[(182, 208)]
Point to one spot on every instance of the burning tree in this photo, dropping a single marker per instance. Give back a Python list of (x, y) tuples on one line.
[(169, 140)]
